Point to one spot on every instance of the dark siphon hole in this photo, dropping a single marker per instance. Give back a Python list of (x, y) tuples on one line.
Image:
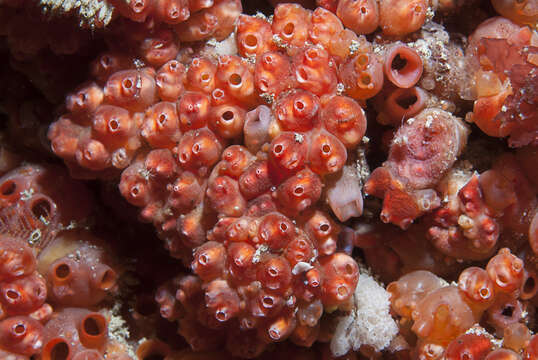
[(365, 79), (63, 271), (108, 280), (60, 351), (273, 272), (8, 188), (19, 329), (406, 101), (251, 40), (218, 93), (12, 294), (508, 311), (529, 285), (221, 316), (288, 29), (398, 63), (41, 208), (228, 115), (303, 74), (235, 79), (127, 83), (92, 327), (268, 59), (139, 6), (267, 301)]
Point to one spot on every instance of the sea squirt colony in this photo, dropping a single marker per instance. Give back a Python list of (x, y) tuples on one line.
[(287, 162)]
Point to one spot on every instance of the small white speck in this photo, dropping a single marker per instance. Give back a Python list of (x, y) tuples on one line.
[(340, 88), (144, 173), (260, 15), (138, 63), (259, 251), (429, 121), (268, 97), (35, 236), (72, 225), (279, 42), (353, 47), (27, 194), (290, 301)]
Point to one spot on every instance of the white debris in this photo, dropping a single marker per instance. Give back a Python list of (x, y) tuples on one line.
[(27, 194), (227, 46), (34, 238), (301, 267), (259, 252), (368, 323), (340, 88), (354, 47), (117, 329), (268, 97), (277, 40), (92, 13), (476, 329)]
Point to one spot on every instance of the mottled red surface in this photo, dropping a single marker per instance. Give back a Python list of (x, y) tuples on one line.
[(243, 141)]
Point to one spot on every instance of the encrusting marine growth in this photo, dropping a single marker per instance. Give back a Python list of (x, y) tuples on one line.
[(292, 164), (53, 271)]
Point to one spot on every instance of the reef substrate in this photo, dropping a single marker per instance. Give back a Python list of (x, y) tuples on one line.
[(199, 179)]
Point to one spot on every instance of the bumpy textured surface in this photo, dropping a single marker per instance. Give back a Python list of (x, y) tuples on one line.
[(52, 269), (90, 12), (271, 154), (421, 152), (370, 323), (505, 51), (441, 313)]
